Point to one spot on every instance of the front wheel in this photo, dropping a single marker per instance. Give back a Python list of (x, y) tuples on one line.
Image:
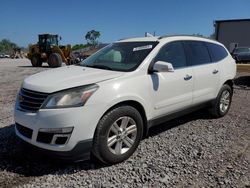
[(36, 60), (55, 60), (118, 135), (223, 102)]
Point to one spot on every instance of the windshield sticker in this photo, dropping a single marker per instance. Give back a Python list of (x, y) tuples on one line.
[(143, 48)]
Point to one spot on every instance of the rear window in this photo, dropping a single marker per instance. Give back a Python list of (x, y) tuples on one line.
[(217, 52), (197, 53)]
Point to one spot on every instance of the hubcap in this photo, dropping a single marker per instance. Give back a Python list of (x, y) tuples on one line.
[(122, 135), (224, 101)]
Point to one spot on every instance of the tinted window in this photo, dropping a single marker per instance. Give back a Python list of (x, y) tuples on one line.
[(197, 52), (173, 53), (241, 50), (217, 52)]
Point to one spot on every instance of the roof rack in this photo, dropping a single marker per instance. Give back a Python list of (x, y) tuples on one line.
[(165, 36)]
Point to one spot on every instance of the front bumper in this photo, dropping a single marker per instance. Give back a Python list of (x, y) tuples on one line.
[(80, 152), (83, 120)]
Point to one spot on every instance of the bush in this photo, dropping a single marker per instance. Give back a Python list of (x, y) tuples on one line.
[(79, 46)]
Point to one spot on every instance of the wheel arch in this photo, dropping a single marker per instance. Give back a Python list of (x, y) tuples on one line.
[(230, 83), (138, 106)]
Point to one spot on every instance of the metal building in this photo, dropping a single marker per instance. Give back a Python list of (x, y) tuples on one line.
[(233, 33)]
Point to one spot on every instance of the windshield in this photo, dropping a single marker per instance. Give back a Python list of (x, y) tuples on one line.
[(121, 56), (240, 50)]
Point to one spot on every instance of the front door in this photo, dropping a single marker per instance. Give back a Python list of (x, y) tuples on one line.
[(172, 91)]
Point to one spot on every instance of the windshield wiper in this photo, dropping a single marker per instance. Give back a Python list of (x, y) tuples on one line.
[(99, 67)]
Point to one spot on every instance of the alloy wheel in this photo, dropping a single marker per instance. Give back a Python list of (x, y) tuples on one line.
[(122, 135), (225, 101)]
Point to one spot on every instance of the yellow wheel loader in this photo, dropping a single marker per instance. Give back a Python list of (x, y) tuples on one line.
[(48, 50)]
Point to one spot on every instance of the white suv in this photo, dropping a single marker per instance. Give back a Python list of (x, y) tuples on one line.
[(107, 103)]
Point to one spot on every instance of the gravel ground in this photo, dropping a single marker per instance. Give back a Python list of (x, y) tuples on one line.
[(194, 151)]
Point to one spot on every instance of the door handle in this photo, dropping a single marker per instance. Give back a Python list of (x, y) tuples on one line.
[(187, 77), (215, 71)]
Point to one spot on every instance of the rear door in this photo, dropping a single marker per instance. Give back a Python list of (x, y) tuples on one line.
[(205, 72)]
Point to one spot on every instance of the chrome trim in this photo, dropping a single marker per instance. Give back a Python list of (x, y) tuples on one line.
[(34, 92), (30, 101)]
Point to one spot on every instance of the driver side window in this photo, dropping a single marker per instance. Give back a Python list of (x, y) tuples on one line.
[(173, 53)]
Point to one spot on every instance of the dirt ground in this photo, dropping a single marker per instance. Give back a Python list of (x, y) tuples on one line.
[(194, 151)]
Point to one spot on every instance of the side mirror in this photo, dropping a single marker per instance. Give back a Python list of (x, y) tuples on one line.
[(162, 66)]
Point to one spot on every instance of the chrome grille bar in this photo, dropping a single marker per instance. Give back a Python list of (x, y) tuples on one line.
[(31, 100)]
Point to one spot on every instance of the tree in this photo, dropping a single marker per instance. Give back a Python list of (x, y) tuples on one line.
[(6, 46), (92, 37)]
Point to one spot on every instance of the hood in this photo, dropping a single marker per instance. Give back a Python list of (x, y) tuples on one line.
[(67, 77)]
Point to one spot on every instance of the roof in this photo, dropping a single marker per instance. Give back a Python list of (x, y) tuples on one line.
[(233, 20), (185, 36), (177, 37)]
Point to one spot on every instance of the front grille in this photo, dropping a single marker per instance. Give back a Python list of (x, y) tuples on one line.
[(24, 131), (31, 100)]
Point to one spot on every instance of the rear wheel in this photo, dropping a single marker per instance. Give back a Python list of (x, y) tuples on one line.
[(118, 135), (55, 60), (223, 102), (36, 60)]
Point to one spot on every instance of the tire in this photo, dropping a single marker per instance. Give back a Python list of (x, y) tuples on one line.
[(110, 128), (36, 60), (223, 101), (55, 60)]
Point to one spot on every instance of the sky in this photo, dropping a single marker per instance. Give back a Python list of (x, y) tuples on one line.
[(22, 20)]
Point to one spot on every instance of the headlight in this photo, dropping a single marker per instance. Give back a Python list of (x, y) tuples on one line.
[(70, 98)]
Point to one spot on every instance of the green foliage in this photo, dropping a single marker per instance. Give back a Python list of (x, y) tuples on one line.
[(79, 46), (92, 37), (6, 46)]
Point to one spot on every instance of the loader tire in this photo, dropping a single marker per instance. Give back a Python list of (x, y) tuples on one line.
[(36, 60), (55, 60)]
